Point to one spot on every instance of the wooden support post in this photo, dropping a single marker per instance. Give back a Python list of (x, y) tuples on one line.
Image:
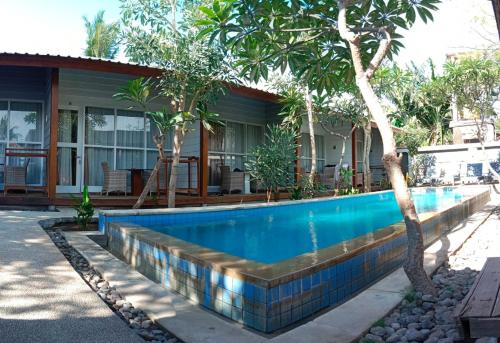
[(203, 181), (354, 147), (54, 121)]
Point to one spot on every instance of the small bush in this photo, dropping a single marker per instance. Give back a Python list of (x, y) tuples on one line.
[(84, 210)]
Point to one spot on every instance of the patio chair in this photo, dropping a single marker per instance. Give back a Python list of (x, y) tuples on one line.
[(114, 180), (15, 177), (328, 177), (232, 180)]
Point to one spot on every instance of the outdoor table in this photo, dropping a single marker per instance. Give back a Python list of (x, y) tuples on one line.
[(136, 180)]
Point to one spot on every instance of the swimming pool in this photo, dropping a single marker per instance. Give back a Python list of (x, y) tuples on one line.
[(270, 265), (303, 228)]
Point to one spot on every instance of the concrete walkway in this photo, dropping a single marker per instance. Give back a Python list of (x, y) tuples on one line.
[(42, 298)]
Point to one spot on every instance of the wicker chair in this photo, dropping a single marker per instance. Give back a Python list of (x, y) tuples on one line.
[(15, 177), (231, 180), (114, 180), (328, 177)]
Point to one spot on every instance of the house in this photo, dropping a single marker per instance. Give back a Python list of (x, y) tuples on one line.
[(61, 110)]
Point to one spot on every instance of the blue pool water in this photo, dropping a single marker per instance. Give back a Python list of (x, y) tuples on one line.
[(276, 233)]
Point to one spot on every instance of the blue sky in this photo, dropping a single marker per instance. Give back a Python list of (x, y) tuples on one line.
[(56, 27), (49, 26)]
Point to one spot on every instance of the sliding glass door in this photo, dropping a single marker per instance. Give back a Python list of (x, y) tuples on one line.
[(69, 151)]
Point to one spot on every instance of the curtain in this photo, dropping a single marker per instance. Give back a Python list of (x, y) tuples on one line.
[(255, 137), (93, 168), (130, 129), (216, 139), (99, 126), (235, 138), (66, 164)]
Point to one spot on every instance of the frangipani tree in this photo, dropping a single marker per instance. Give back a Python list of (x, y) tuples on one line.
[(297, 102), (160, 33), (333, 43), (475, 84)]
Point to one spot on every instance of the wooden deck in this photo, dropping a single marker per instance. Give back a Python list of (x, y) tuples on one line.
[(479, 313), (121, 201)]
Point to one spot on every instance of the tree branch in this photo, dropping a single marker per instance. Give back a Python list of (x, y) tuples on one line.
[(352, 38), (383, 48)]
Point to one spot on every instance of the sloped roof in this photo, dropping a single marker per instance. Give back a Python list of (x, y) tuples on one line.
[(110, 66)]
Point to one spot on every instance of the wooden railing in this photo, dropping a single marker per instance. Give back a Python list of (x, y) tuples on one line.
[(26, 153), (189, 160)]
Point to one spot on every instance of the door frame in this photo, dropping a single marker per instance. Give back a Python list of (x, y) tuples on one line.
[(79, 152)]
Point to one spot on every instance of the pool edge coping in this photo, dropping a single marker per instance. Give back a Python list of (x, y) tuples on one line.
[(249, 270), (322, 327)]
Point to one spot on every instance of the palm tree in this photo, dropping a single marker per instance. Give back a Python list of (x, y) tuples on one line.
[(102, 38)]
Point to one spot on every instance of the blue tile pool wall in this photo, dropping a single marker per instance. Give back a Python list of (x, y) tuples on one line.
[(280, 303)]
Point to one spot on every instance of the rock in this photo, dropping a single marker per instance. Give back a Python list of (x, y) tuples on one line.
[(378, 330), (369, 338), (120, 302), (414, 335), (486, 340), (134, 325), (414, 326), (389, 331), (428, 298), (148, 336), (146, 324), (427, 305), (445, 340), (394, 338), (396, 326)]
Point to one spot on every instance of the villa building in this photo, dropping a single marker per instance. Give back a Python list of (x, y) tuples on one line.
[(61, 112)]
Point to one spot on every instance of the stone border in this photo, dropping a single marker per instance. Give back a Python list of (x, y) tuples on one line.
[(346, 322)]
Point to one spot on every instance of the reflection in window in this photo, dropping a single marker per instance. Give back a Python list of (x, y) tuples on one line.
[(130, 129), (4, 119), (25, 122), (230, 145), (99, 126)]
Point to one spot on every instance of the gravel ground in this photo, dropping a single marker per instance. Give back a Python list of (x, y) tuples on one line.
[(137, 320), (429, 319)]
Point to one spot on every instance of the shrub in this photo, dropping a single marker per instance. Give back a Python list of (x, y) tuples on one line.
[(84, 210), (271, 162)]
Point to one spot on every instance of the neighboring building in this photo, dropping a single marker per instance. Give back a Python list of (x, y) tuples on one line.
[(65, 106)]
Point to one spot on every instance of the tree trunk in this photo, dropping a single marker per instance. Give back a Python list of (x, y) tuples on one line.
[(176, 153), (310, 121), (367, 144), (413, 265), (149, 183), (160, 142)]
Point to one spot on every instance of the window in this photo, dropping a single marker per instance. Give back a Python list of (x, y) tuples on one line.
[(21, 125), (306, 158), (230, 145), (123, 138)]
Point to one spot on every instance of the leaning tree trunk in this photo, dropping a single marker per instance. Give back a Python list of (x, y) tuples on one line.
[(414, 263), (159, 141), (309, 107), (176, 153), (367, 130)]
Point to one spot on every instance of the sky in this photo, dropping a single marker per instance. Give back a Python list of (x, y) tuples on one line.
[(56, 27)]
